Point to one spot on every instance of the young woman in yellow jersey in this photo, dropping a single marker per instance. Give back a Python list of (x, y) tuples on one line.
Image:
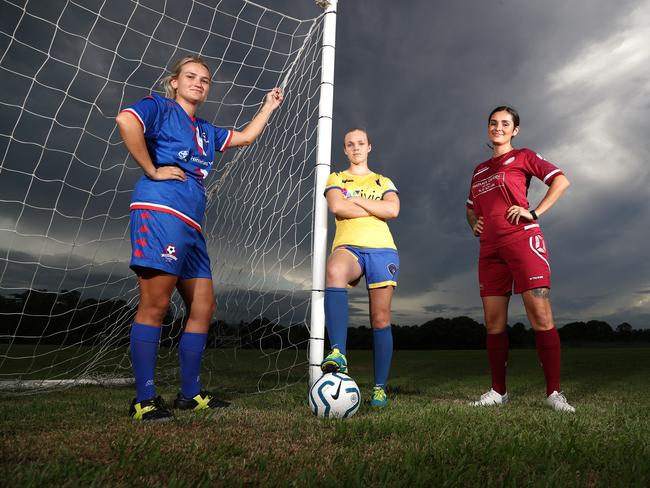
[(362, 202)]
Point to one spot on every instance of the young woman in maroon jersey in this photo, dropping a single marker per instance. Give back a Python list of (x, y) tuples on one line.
[(513, 252)]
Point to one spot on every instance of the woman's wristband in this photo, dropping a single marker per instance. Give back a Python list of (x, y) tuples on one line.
[(532, 212)]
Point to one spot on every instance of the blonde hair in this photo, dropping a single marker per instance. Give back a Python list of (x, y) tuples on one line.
[(170, 92)]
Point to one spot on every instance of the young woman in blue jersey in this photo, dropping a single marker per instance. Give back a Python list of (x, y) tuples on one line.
[(362, 201), (175, 151)]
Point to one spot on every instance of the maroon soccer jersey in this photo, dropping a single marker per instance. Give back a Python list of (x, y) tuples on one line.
[(501, 182)]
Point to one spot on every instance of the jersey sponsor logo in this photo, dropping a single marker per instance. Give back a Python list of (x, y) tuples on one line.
[(182, 155), (510, 160), (532, 278), (488, 184), (169, 253), (347, 181), (194, 159)]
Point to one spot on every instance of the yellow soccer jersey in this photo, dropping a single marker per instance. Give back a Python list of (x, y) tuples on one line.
[(363, 231)]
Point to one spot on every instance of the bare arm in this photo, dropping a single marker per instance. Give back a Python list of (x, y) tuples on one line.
[(385, 209), (133, 137), (557, 187), (475, 223), (255, 127), (343, 208)]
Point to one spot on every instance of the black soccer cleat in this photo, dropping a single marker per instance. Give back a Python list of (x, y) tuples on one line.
[(203, 400), (151, 410)]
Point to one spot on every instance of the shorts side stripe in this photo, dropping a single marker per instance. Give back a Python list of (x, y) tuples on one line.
[(166, 209), (530, 242)]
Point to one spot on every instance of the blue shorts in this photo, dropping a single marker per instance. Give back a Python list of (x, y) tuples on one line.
[(379, 266), (163, 241)]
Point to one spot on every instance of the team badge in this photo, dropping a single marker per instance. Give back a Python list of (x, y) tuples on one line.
[(169, 253), (392, 269)]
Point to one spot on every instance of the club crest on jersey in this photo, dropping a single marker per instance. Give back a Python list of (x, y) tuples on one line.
[(183, 155), (169, 253), (392, 268)]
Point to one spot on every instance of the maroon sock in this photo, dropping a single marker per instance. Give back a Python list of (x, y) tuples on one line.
[(548, 350), (497, 349)]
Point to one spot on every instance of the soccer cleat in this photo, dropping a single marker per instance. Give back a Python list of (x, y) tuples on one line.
[(490, 398), (558, 402), (151, 410), (203, 400), (379, 398), (335, 362)]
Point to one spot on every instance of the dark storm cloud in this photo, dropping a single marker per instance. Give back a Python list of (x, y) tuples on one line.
[(420, 76), (424, 93)]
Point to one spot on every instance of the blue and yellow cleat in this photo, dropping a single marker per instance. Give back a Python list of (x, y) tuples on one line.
[(334, 362), (151, 410), (204, 399), (379, 398)]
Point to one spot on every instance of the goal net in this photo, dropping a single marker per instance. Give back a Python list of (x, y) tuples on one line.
[(67, 296)]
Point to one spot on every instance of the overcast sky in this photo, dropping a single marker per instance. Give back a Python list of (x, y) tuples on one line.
[(422, 77)]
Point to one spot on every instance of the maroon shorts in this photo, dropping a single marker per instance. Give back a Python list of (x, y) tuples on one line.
[(523, 263)]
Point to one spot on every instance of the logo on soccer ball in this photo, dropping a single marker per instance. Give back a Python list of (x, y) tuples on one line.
[(169, 253)]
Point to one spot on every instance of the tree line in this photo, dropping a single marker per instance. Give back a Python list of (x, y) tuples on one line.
[(45, 317)]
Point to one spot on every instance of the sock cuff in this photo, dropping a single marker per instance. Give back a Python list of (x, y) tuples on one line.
[(193, 341), (336, 290), (546, 338), (145, 333), (497, 340), (382, 331)]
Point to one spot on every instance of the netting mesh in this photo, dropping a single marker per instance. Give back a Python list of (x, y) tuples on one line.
[(67, 296)]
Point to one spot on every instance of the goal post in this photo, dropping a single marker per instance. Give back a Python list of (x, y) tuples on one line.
[(67, 297), (323, 164)]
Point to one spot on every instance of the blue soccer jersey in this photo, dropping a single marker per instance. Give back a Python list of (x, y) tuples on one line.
[(175, 138)]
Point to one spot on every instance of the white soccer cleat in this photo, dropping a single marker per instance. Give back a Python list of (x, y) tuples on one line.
[(557, 401), (490, 398)]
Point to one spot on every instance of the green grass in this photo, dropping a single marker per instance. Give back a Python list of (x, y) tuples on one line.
[(428, 436)]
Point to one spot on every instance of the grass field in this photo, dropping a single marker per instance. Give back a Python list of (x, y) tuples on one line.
[(428, 436)]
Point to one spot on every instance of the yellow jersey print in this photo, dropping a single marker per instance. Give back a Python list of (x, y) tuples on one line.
[(370, 232)]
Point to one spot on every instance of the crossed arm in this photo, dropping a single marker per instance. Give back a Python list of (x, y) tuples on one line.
[(355, 207)]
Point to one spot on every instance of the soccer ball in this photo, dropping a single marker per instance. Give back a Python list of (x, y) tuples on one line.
[(334, 395)]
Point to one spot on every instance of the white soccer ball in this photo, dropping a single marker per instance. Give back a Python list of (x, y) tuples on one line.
[(334, 395)]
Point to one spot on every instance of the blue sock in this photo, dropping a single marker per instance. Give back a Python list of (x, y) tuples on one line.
[(382, 354), (144, 353), (336, 317), (190, 353)]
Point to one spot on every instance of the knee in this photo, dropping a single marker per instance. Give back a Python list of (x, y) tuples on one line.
[(540, 320), (154, 310), (202, 312), (495, 325), (380, 319), (335, 275)]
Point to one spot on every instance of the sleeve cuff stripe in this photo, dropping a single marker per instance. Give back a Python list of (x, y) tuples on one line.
[(137, 116)]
